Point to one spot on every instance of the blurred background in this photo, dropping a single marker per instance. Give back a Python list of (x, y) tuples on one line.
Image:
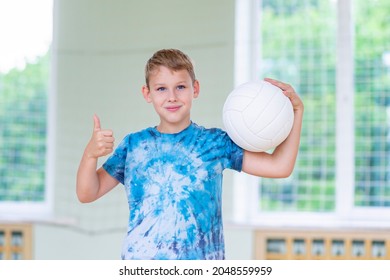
[(61, 61)]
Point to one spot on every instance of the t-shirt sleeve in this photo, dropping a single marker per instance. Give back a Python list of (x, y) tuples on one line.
[(115, 164), (234, 153)]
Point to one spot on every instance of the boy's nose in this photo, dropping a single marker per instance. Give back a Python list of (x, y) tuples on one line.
[(172, 95)]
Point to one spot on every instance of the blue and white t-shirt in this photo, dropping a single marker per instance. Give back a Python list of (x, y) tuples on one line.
[(174, 187)]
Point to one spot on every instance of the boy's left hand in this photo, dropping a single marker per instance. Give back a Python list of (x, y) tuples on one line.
[(288, 91)]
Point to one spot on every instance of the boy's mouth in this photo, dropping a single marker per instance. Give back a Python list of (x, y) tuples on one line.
[(173, 108)]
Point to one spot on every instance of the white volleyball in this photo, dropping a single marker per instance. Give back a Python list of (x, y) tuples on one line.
[(257, 116)]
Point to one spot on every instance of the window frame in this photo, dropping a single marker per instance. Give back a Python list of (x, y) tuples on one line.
[(14, 211), (245, 187)]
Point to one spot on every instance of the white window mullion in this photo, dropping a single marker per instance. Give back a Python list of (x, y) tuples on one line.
[(247, 39), (345, 166), (245, 187)]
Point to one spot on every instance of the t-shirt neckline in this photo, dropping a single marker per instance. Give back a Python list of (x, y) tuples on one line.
[(182, 132)]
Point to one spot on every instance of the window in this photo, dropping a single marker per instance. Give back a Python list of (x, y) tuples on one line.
[(372, 104), (24, 82), (310, 28), (332, 244), (15, 242), (336, 54)]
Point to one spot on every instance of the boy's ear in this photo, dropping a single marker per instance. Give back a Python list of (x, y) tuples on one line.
[(146, 93), (196, 88)]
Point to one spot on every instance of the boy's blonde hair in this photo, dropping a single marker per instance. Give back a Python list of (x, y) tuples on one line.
[(173, 59)]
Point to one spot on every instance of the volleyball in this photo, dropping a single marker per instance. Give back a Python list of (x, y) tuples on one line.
[(257, 116)]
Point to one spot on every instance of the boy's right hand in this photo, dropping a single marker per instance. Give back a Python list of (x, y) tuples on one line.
[(102, 141)]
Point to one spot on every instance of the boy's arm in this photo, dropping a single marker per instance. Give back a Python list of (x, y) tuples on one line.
[(281, 162), (91, 183)]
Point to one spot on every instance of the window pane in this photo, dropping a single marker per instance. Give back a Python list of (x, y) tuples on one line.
[(372, 103), (25, 27), (23, 133), (298, 47)]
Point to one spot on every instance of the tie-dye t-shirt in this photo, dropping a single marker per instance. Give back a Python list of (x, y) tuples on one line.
[(173, 184)]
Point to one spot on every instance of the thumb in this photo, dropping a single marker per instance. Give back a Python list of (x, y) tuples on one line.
[(96, 121)]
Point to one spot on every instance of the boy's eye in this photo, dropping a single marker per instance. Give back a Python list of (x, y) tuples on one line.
[(181, 87), (161, 89)]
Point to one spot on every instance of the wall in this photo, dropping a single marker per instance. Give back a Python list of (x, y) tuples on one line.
[(99, 52)]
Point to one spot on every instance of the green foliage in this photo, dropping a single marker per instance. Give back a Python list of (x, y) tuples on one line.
[(372, 101), (299, 46), (23, 106)]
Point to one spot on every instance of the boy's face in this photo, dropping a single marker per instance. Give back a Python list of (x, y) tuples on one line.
[(171, 93)]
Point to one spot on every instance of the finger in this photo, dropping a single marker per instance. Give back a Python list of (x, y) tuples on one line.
[(106, 132), (288, 93), (108, 151), (109, 139), (269, 80), (272, 81), (104, 146), (96, 123), (107, 145), (277, 83)]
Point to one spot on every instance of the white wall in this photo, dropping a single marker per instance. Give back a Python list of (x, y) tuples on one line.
[(99, 52)]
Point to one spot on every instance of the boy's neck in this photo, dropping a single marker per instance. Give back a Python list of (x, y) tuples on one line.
[(173, 128)]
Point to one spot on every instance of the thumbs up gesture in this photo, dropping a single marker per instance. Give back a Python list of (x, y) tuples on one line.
[(102, 141)]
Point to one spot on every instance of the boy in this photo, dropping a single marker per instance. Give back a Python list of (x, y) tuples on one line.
[(172, 173)]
